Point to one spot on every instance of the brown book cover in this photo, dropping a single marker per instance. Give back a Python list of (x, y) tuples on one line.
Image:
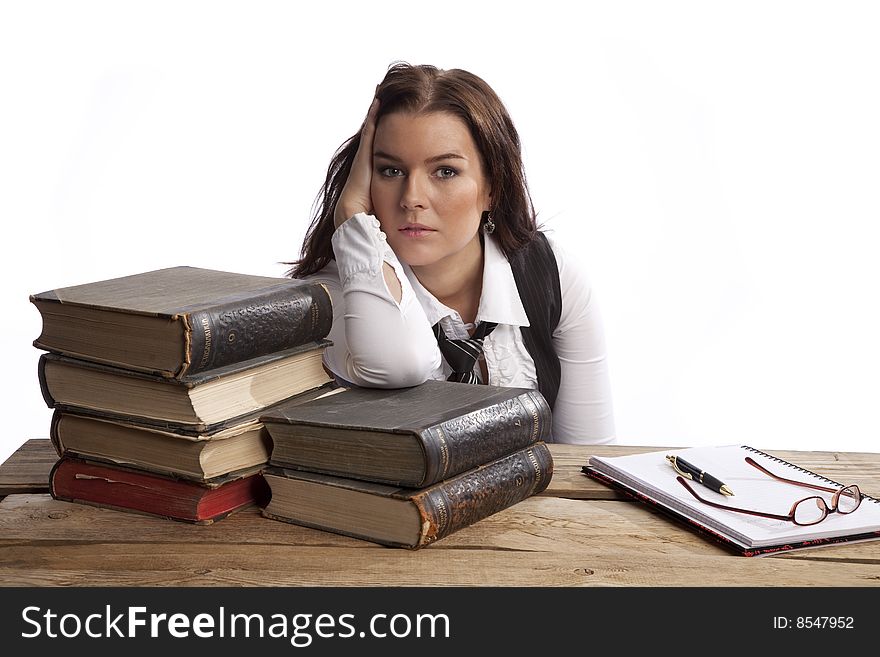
[(128, 489), (165, 449), (403, 517), (201, 401), (409, 437), (182, 320), (189, 431), (182, 456)]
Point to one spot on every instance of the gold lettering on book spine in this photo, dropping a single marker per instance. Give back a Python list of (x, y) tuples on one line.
[(207, 351), (539, 475), (444, 452), (532, 409), (314, 307), (187, 344), (443, 514)]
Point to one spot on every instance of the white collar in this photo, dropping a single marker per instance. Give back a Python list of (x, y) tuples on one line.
[(499, 301)]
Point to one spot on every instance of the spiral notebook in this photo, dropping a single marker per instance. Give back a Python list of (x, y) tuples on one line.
[(651, 478)]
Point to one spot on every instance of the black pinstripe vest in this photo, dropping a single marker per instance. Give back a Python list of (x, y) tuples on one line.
[(537, 280)]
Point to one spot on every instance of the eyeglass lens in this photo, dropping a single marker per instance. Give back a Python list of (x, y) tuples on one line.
[(811, 510), (848, 499)]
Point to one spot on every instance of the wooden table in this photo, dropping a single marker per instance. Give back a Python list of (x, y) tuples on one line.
[(578, 533)]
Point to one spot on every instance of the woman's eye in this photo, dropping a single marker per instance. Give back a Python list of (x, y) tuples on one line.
[(446, 172), (390, 172)]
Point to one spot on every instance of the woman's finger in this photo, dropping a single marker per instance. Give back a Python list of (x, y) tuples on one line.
[(364, 155)]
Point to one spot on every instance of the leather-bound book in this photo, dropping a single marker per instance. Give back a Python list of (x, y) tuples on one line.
[(410, 437), (128, 489), (200, 402), (182, 320), (166, 448), (403, 517)]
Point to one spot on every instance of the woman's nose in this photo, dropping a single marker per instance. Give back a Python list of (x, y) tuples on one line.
[(413, 194)]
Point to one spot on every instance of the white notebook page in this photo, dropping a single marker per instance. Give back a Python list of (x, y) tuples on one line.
[(653, 475)]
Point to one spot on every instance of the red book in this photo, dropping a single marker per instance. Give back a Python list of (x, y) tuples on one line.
[(126, 489)]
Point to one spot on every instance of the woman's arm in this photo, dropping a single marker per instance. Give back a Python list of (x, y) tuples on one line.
[(583, 412), (355, 196), (381, 337), (378, 341)]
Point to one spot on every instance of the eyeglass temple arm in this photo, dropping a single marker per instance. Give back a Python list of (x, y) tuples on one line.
[(760, 467), (730, 508)]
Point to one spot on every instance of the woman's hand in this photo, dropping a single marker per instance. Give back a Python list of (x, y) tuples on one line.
[(355, 196)]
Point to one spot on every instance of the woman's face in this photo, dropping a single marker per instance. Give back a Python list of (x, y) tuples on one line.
[(428, 187)]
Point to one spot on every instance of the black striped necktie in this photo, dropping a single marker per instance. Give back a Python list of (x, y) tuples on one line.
[(462, 355)]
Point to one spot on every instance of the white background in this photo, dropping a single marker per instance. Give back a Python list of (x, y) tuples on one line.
[(716, 167)]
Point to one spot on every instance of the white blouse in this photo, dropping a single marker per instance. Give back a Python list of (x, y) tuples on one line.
[(378, 342)]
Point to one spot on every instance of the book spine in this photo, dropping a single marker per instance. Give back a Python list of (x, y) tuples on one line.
[(486, 434), (249, 327), (53, 473), (44, 386), (468, 498), (54, 434)]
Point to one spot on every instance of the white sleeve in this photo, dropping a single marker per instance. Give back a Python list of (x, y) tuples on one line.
[(583, 411), (377, 342)]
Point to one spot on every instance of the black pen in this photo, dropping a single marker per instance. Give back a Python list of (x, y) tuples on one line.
[(692, 472)]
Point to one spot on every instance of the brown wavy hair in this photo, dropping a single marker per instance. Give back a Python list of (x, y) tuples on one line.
[(420, 90)]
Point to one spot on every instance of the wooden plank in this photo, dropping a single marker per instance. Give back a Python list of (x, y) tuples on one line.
[(27, 469), (279, 565), (538, 524), (539, 542), (568, 481), (38, 519)]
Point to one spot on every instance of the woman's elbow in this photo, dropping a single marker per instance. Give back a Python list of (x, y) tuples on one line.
[(397, 370)]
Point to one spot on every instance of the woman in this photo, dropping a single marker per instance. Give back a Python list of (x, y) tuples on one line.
[(426, 237)]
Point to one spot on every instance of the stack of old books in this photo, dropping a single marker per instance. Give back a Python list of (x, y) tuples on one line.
[(406, 467), (158, 381)]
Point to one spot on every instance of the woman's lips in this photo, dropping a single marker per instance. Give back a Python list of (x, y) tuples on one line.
[(415, 230)]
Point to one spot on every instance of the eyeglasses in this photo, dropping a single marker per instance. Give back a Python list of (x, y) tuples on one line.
[(808, 511)]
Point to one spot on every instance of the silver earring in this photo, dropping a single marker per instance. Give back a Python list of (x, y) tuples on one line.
[(488, 224)]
